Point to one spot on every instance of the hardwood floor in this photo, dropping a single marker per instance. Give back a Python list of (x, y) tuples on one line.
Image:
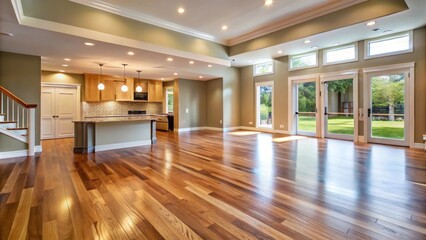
[(210, 185)]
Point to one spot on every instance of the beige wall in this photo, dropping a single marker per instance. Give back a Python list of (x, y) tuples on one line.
[(20, 74), (192, 96), (56, 77), (214, 101), (280, 78), (231, 97)]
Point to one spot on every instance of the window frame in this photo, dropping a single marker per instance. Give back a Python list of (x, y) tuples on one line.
[(324, 53), (384, 38), (290, 68), (263, 63), (167, 99)]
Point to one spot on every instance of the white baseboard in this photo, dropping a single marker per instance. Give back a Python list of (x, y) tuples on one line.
[(190, 129), (19, 153), (214, 129), (419, 145), (107, 147)]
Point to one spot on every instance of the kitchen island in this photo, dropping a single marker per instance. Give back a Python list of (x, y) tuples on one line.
[(95, 134)]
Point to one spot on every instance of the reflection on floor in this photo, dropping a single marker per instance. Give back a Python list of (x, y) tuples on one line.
[(212, 185)]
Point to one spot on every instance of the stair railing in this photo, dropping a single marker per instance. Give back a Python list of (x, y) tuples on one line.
[(16, 110)]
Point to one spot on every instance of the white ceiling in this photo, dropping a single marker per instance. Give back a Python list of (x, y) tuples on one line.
[(205, 18), (55, 46)]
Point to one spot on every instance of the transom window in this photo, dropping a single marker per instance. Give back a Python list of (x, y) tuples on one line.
[(263, 68), (306, 60), (390, 45), (340, 54)]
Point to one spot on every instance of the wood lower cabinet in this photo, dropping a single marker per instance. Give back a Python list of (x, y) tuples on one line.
[(155, 91)]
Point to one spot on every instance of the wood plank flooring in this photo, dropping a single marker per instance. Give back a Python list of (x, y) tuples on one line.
[(212, 185)]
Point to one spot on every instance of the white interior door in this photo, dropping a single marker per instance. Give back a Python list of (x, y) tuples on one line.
[(58, 110), (47, 112), (388, 107)]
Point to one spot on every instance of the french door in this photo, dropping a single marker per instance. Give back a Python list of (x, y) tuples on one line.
[(264, 105), (58, 110), (338, 108), (388, 107), (307, 121)]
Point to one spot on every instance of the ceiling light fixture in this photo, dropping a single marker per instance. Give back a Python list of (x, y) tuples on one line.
[(371, 23), (162, 78), (101, 86), (280, 52), (6, 34), (224, 27), (89, 44), (268, 3), (62, 71), (200, 77), (175, 74), (67, 59), (209, 65), (139, 88), (131, 53), (314, 47), (64, 65), (124, 87), (170, 59), (307, 41), (191, 62), (181, 10)]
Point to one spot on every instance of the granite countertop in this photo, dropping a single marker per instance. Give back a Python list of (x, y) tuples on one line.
[(119, 118)]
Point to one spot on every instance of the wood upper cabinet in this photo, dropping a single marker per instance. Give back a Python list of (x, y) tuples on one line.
[(91, 92), (108, 94), (140, 82), (155, 91), (124, 96)]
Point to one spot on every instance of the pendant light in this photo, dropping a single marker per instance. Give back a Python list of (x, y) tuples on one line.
[(124, 88), (139, 88), (101, 86)]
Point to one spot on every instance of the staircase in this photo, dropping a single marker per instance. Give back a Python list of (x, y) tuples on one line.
[(17, 119)]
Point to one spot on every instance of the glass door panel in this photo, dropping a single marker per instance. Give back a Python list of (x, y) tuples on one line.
[(306, 108), (264, 105), (339, 110), (387, 109)]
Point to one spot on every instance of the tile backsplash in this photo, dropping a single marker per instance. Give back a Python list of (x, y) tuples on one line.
[(119, 108)]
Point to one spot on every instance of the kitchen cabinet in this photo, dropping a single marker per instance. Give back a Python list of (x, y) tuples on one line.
[(124, 96), (140, 82), (112, 89), (155, 91)]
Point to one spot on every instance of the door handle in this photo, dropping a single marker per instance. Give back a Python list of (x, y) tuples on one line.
[(325, 111), (297, 113), (369, 112)]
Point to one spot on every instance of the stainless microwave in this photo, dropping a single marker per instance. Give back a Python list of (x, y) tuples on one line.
[(140, 96)]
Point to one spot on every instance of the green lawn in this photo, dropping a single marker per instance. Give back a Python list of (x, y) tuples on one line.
[(343, 125)]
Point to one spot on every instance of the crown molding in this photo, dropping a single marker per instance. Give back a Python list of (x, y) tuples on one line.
[(293, 20), (104, 6)]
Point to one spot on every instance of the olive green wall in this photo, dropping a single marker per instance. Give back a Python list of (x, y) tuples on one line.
[(231, 97), (280, 78), (65, 12), (20, 74), (192, 96), (56, 77), (214, 101)]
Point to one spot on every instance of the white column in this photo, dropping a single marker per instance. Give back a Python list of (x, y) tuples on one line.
[(31, 131)]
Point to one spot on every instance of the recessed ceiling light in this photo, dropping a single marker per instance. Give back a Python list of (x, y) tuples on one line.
[(61, 71), (181, 10), (279, 52), (64, 65), (268, 3), (200, 77), (224, 27), (314, 47), (175, 74), (162, 78), (371, 23), (307, 41), (191, 62), (67, 59), (131, 53), (89, 44), (6, 34), (170, 59), (209, 65)]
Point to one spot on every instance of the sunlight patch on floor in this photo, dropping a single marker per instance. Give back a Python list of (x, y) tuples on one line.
[(289, 138), (243, 133)]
